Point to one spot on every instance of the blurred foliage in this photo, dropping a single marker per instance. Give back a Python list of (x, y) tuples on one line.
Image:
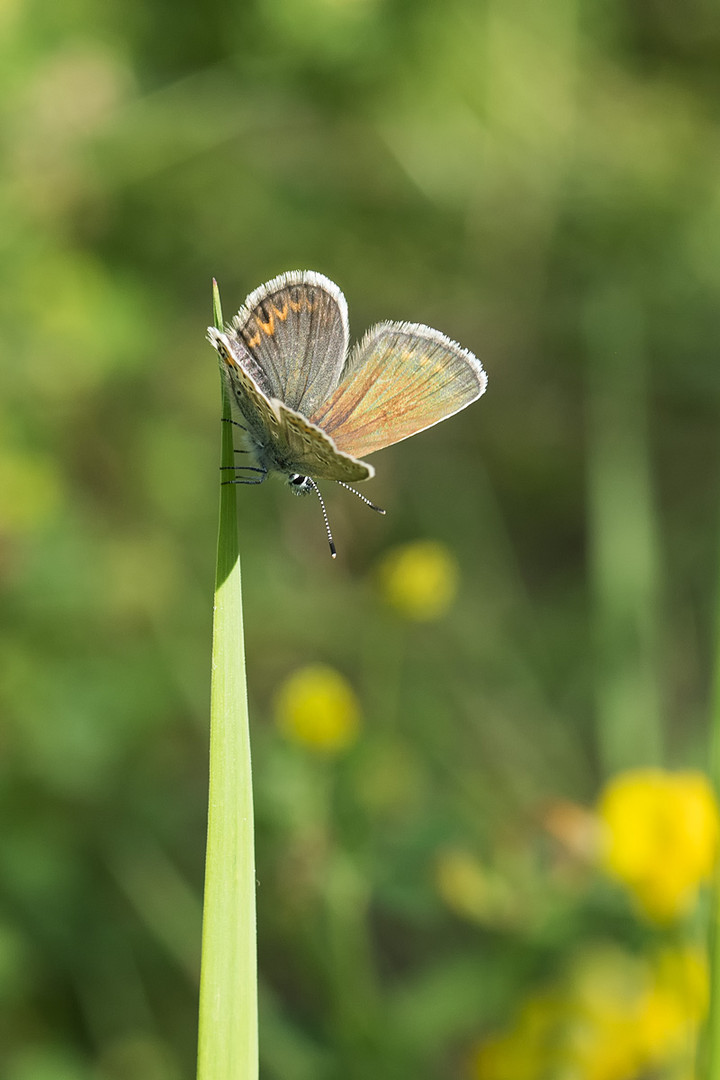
[(539, 181)]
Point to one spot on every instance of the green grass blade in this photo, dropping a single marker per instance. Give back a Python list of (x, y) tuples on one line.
[(228, 1039), (623, 536)]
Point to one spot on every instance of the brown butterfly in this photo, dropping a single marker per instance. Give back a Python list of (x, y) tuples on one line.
[(312, 409)]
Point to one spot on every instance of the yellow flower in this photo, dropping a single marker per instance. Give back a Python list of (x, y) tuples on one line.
[(613, 1017), (419, 579), (633, 1015), (685, 971), (661, 834), (673, 1007), (525, 1051), (605, 990), (316, 706)]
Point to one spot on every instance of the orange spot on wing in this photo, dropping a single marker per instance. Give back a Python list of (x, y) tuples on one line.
[(252, 342), (282, 315), (297, 305), (267, 327)]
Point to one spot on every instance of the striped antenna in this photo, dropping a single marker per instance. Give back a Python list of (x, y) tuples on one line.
[(359, 494), (315, 488)]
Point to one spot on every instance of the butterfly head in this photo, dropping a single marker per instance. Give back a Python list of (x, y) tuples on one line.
[(300, 485)]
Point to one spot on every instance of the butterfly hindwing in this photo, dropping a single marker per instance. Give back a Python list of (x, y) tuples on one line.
[(400, 379), (295, 330), (283, 440), (310, 452)]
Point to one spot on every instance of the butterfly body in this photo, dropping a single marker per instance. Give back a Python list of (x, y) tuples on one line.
[(312, 408)]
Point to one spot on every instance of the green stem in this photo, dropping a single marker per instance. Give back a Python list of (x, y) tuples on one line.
[(228, 1039)]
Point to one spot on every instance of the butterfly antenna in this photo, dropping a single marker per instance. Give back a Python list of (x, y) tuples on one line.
[(377, 509), (315, 488)]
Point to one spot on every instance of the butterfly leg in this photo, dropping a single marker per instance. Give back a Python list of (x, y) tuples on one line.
[(262, 473), (227, 420), (245, 480), (249, 468)]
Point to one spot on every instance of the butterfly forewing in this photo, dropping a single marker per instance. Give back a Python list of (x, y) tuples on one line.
[(295, 329), (402, 378), (246, 392)]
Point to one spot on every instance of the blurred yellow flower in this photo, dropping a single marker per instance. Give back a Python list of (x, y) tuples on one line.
[(661, 835), (524, 1051), (317, 707), (685, 971), (632, 1014), (613, 1017), (420, 579)]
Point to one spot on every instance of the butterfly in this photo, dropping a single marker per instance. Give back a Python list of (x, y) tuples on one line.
[(311, 407)]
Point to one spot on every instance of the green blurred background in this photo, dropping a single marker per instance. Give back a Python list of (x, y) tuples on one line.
[(541, 182)]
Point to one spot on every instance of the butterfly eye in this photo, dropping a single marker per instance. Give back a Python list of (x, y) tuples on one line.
[(300, 484)]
